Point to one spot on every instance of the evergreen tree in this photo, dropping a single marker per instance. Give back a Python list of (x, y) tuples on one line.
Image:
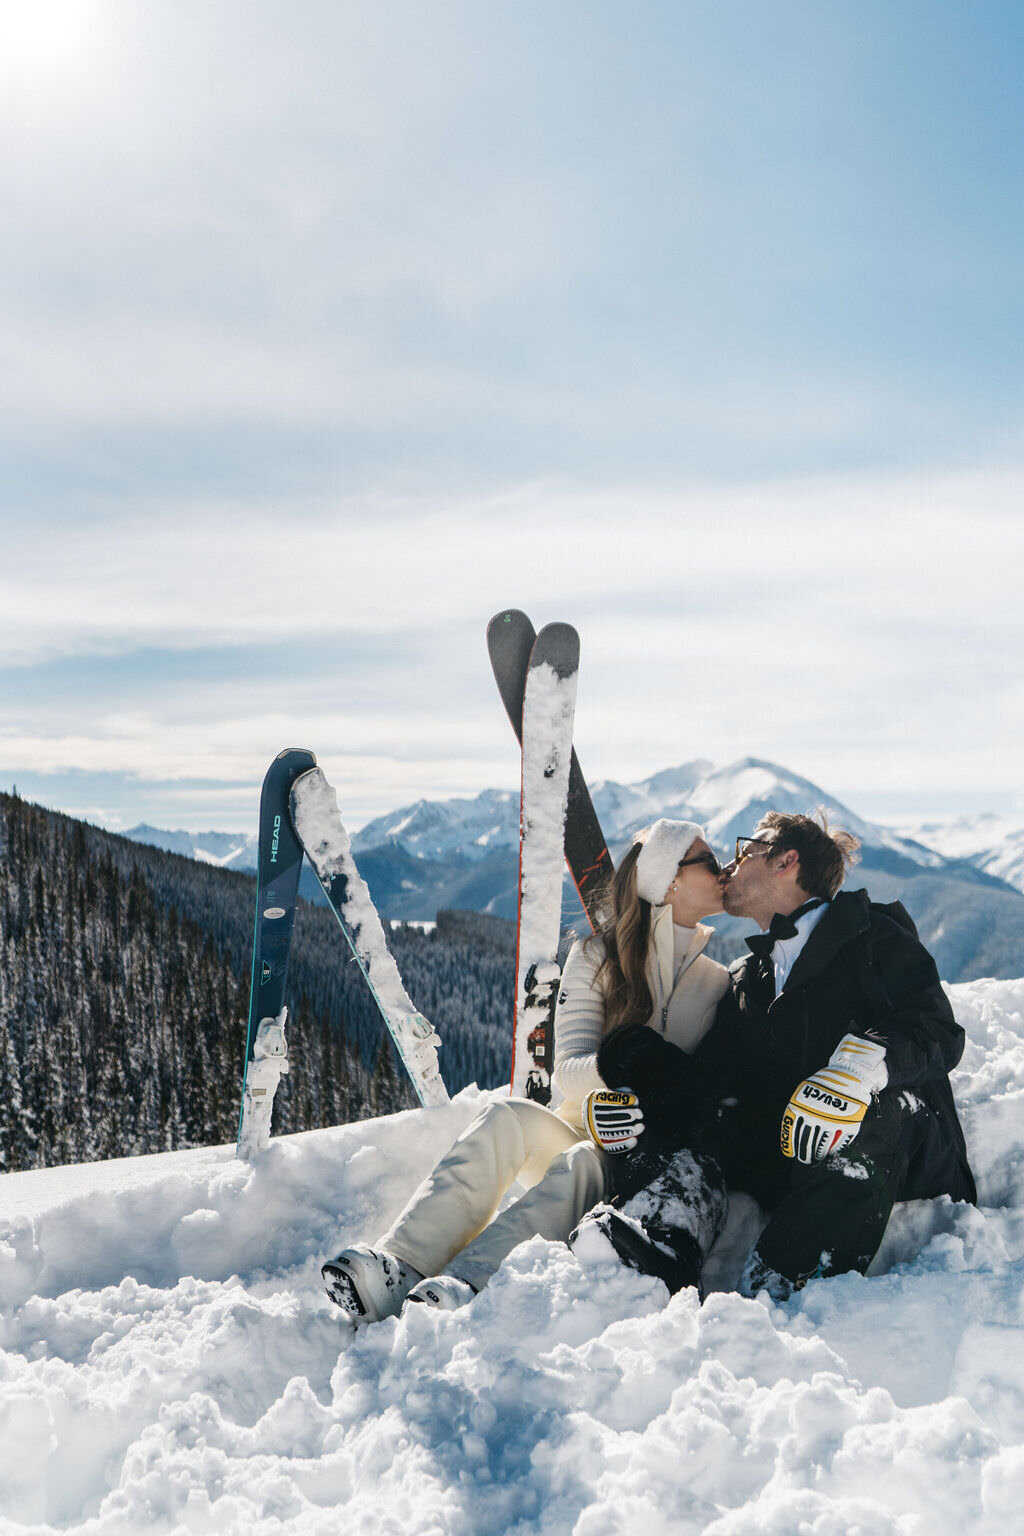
[(13, 1122), (124, 989)]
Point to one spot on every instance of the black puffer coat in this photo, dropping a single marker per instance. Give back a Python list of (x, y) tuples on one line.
[(861, 972)]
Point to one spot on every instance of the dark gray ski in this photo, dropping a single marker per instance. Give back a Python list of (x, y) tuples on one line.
[(279, 864), (510, 640)]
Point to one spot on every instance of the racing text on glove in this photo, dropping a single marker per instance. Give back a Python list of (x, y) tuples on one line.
[(613, 1118)]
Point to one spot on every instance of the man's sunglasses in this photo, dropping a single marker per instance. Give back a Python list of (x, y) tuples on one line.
[(703, 858), (746, 846)]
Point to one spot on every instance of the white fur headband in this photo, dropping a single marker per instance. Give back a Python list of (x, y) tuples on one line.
[(664, 847)]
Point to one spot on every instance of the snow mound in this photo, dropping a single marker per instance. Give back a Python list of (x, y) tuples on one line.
[(170, 1364)]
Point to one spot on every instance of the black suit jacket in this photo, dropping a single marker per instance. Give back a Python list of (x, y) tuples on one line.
[(861, 972)]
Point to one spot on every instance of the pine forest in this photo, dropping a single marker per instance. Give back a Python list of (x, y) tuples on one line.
[(124, 995)]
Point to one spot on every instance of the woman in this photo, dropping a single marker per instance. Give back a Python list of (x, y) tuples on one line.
[(645, 968)]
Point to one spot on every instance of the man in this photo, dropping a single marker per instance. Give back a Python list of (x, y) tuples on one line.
[(822, 1088)]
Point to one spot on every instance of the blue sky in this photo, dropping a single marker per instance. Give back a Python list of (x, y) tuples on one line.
[(327, 330)]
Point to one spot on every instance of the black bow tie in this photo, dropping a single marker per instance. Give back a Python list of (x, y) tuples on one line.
[(782, 926)]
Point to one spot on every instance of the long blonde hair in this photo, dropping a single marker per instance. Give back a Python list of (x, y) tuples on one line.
[(622, 974)]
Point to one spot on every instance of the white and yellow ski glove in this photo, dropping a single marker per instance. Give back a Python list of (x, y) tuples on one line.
[(825, 1112), (613, 1119)]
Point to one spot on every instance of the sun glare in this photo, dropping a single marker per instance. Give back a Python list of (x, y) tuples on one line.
[(43, 40)]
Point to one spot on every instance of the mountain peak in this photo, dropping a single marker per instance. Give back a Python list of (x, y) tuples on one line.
[(464, 851)]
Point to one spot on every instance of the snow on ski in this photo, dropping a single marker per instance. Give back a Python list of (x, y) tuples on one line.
[(279, 864), (549, 704), (510, 639), (318, 824)]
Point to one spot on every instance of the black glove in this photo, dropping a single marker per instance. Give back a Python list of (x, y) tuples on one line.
[(636, 1057)]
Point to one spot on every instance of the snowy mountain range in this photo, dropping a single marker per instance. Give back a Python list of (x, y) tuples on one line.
[(992, 843), (963, 881), (727, 800), (228, 850)]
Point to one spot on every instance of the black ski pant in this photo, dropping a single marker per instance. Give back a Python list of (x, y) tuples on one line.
[(830, 1217), (824, 1218), (680, 1201)]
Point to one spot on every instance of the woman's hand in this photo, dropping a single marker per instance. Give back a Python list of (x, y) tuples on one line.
[(613, 1119), (636, 1057)]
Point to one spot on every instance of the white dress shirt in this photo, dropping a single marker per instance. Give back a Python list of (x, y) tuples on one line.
[(785, 951)]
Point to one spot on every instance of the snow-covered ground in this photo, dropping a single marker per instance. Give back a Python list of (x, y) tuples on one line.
[(170, 1363)]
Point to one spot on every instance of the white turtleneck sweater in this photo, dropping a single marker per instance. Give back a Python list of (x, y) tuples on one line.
[(685, 986)]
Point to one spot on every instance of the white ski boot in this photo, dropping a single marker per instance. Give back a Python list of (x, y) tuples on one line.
[(445, 1292), (368, 1284)]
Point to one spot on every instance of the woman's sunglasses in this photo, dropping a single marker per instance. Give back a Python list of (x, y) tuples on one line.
[(703, 858)]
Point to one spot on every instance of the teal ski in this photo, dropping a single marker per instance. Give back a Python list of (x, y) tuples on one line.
[(277, 888)]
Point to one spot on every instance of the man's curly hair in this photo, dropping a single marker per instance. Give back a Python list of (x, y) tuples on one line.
[(826, 853)]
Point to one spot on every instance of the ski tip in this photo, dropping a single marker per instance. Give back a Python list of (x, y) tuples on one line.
[(315, 772), (559, 646), (559, 632), (290, 763), (316, 817), (287, 765), (506, 619)]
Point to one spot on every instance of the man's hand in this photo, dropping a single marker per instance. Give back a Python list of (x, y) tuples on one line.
[(613, 1119), (825, 1112)]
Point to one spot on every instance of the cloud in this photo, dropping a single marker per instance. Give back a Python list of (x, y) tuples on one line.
[(792, 559), (319, 343), (852, 630)]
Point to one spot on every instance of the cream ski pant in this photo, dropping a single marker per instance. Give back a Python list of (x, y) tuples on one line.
[(450, 1222)]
